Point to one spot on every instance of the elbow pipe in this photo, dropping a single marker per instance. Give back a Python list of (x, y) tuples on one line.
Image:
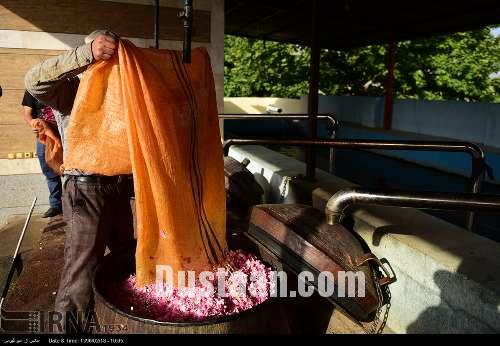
[(342, 200)]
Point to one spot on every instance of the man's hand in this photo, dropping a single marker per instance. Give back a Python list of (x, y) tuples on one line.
[(37, 125), (103, 47)]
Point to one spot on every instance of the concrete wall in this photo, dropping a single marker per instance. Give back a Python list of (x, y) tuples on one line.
[(448, 279), (257, 105), (31, 31)]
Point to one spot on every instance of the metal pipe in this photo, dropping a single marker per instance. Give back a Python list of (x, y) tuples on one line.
[(339, 202), (334, 125), (156, 32), (474, 150), (313, 99), (187, 16)]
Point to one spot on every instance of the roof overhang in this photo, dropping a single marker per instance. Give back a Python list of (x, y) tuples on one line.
[(345, 24)]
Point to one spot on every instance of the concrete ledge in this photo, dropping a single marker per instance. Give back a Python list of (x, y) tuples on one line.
[(19, 166), (448, 278), (18, 191)]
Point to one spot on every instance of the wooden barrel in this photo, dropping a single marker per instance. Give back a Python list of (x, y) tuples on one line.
[(266, 318)]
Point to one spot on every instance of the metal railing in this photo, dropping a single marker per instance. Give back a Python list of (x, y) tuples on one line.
[(332, 121), (474, 150), (340, 201)]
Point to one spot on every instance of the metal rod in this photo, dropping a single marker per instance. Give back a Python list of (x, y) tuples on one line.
[(313, 99), (474, 150), (16, 252), (156, 32), (339, 202), (10, 273)]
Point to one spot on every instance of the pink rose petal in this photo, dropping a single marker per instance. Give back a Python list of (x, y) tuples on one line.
[(164, 303)]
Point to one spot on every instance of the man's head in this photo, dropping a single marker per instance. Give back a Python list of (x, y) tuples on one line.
[(93, 35)]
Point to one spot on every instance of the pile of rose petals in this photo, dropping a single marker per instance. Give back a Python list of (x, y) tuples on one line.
[(247, 284)]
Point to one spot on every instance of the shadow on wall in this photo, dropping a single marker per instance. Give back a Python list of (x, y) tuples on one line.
[(266, 187), (128, 18), (465, 305), (449, 316), (232, 108)]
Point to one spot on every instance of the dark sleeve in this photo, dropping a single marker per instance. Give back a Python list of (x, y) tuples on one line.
[(29, 100)]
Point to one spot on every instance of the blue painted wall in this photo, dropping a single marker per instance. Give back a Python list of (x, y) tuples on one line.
[(420, 119), (471, 121)]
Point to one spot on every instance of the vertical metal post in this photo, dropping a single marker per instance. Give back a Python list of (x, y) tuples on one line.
[(187, 16), (313, 98), (188, 24), (156, 32), (389, 87), (477, 177), (331, 162)]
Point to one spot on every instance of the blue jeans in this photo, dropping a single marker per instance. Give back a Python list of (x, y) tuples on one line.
[(53, 180)]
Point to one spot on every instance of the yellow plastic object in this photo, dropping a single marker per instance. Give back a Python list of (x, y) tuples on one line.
[(145, 112)]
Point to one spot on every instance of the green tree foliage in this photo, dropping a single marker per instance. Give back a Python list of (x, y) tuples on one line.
[(455, 67), (264, 68), (460, 66)]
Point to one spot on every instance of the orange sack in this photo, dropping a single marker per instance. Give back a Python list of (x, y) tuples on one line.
[(145, 112), (53, 147)]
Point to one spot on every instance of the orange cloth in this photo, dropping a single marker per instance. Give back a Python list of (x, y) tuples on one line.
[(53, 147), (146, 102)]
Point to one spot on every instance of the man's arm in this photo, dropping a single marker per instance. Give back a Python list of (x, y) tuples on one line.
[(29, 104), (28, 114), (54, 81)]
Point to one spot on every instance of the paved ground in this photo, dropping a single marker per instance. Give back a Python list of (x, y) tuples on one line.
[(43, 258), (17, 193), (9, 235)]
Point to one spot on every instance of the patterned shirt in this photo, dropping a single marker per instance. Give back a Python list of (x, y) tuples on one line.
[(39, 110)]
